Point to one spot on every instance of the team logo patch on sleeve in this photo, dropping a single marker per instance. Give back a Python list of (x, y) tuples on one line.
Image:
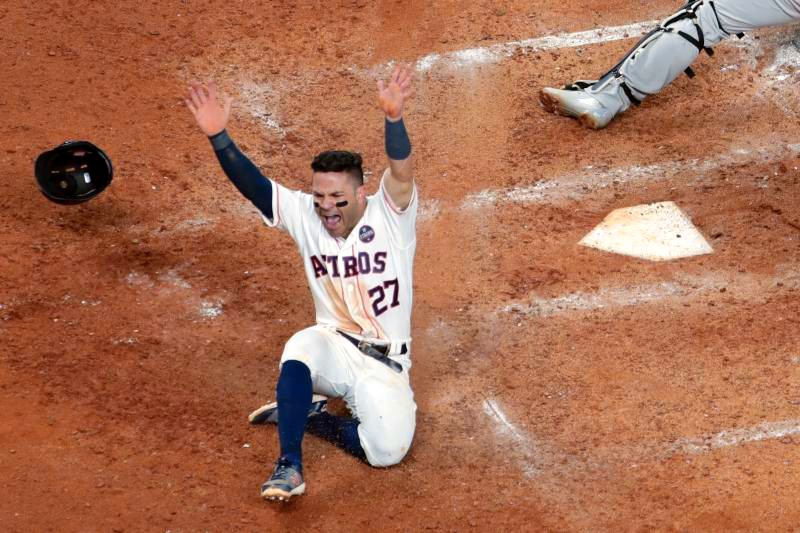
[(366, 234)]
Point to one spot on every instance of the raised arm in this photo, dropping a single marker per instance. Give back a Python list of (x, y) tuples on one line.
[(399, 180), (212, 116)]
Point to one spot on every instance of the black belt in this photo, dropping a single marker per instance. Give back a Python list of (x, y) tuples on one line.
[(378, 352)]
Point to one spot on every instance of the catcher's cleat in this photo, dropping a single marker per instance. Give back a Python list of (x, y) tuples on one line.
[(578, 104), (286, 481), (269, 413)]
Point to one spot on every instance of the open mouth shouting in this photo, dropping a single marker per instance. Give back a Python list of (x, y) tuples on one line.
[(331, 222)]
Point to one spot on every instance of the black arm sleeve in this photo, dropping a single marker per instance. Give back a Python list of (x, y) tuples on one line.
[(243, 173)]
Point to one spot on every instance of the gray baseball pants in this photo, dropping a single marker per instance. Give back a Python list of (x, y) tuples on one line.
[(663, 55)]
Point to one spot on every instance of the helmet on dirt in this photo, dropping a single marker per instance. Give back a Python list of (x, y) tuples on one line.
[(73, 172)]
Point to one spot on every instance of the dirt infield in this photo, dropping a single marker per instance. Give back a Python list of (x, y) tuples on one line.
[(559, 388)]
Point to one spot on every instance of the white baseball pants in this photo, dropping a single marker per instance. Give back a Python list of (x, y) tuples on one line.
[(380, 398)]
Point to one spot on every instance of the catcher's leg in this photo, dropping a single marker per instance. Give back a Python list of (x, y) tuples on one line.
[(744, 15), (661, 55)]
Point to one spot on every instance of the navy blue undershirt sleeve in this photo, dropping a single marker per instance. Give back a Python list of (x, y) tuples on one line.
[(398, 145), (243, 173)]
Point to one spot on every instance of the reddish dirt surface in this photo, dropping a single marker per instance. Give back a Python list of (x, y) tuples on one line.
[(139, 329)]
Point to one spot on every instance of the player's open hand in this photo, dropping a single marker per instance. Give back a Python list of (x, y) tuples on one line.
[(210, 114), (393, 95)]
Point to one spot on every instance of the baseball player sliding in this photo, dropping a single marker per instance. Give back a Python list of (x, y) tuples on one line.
[(663, 54), (358, 253)]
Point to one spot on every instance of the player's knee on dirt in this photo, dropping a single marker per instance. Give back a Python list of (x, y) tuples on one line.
[(387, 412), (381, 448)]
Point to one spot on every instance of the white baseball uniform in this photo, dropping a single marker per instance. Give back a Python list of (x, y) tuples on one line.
[(361, 285)]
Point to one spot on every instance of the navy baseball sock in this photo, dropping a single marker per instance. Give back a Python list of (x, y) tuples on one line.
[(340, 430), (294, 401)]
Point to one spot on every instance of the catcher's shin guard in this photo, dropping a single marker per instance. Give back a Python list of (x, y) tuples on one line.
[(658, 58)]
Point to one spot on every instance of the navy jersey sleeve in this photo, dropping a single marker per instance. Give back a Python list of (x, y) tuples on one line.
[(243, 173)]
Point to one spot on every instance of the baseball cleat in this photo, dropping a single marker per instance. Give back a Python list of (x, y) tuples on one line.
[(269, 413), (578, 104), (286, 481)]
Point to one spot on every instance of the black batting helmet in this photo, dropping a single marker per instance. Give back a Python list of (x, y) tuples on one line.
[(73, 172)]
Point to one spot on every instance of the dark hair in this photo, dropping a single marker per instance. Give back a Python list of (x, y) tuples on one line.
[(339, 161)]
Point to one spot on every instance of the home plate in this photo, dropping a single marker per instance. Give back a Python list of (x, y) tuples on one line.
[(658, 232)]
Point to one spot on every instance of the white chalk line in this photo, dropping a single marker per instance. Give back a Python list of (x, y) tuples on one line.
[(508, 430), (261, 99), (428, 210), (569, 187), (497, 52), (493, 410), (255, 94), (637, 454), (782, 76), (535, 461), (576, 186), (603, 299), (712, 286), (736, 437)]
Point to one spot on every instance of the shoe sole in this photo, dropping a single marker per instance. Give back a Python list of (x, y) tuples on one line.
[(550, 104), (260, 415), (280, 495), (553, 105)]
